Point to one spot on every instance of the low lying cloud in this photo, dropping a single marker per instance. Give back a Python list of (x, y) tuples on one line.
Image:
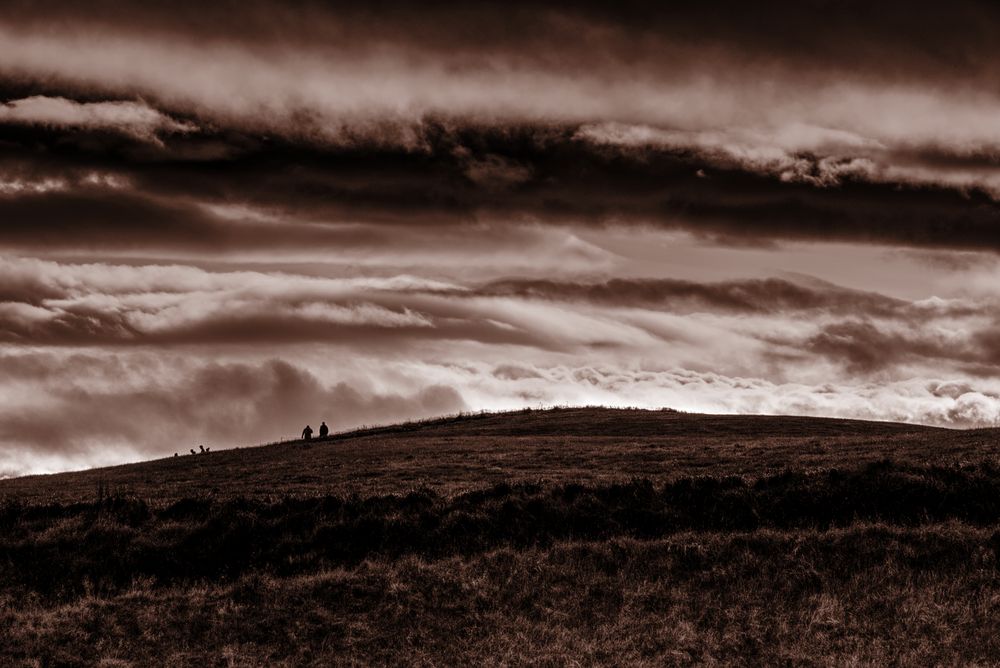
[(80, 410), (73, 423), (948, 403)]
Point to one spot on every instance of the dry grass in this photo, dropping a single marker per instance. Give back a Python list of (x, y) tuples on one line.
[(731, 542), (867, 595), (586, 445)]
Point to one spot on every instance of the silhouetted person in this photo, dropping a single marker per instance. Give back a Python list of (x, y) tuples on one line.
[(323, 430), (202, 447), (175, 454), (307, 433), (193, 452)]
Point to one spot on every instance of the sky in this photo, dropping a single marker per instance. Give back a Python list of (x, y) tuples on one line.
[(222, 221)]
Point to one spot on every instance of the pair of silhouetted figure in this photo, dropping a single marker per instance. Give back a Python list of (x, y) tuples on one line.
[(307, 433), (203, 450)]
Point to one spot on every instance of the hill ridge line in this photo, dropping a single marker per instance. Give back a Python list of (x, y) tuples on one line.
[(522, 430), (470, 416)]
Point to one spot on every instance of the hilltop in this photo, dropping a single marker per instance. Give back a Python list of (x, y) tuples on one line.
[(459, 453)]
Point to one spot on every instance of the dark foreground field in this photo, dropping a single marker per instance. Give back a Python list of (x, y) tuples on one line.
[(572, 537)]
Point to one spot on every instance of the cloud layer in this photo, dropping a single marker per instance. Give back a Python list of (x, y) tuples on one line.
[(83, 340)]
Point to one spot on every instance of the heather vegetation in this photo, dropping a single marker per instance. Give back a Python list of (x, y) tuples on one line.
[(873, 561)]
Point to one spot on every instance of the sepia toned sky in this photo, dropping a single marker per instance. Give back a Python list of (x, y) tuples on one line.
[(221, 221)]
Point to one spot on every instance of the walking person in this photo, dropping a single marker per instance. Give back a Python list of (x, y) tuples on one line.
[(307, 433), (324, 431)]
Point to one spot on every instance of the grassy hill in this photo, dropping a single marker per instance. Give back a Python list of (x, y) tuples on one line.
[(455, 454), (571, 536)]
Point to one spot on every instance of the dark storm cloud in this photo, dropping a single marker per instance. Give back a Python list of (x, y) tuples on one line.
[(99, 219), (460, 174), (792, 121), (889, 42), (771, 295), (103, 219), (948, 260), (864, 347), (389, 330), (806, 121)]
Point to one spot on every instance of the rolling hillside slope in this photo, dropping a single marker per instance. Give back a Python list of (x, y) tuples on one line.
[(560, 537), (455, 454)]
